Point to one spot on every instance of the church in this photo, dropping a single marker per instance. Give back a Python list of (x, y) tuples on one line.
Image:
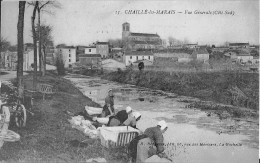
[(139, 41)]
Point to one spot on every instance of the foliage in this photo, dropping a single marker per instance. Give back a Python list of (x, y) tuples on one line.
[(115, 43), (60, 66), (4, 44), (214, 86)]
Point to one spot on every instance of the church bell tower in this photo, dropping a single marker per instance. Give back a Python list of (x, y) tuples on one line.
[(125, 30)]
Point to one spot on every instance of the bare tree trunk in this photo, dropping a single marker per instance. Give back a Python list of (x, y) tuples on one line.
[(20, 26), (39, 38), (44, 60), (34, 47)]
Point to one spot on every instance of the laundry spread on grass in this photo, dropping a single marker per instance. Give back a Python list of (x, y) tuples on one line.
[(85, 126)]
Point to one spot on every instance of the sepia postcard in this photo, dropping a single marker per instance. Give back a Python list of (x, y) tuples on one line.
[(129, 81)]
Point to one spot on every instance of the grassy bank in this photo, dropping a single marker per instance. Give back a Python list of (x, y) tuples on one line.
[(231, 88), (48, 137)]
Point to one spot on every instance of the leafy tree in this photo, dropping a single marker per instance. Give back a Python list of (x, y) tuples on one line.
[(4, 45), (46, 40)]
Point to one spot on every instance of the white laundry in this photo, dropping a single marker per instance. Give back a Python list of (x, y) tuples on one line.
[(93, 110)]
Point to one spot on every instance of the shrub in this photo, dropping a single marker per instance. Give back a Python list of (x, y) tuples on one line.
[(60, 67)]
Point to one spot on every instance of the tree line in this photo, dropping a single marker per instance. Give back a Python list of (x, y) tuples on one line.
[(41, 34)]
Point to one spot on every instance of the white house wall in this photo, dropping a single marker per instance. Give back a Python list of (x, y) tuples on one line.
[(130, 59), (204, 57), (68, 56), (90, 50), (245, 58)]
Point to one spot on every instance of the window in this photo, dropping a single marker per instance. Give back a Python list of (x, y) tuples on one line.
[(149, 57), (137, 57), (69, 55), (89, 50), (130, 57), (69, 60), (143, 57), (69, 50)]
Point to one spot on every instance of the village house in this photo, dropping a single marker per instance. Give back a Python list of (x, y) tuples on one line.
[(90, 60), (238, 45), (137, 41), (9, 60), (255, 60), (90, 50), (132, 56), (219, 49), (191, 46), (244, 57), (176, 55), (67, 54), (200, 54), (102, 48), (241, 56)]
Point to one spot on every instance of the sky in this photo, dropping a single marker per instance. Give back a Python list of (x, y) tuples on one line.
[(80, 22)]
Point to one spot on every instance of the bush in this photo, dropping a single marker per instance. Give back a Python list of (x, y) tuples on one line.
[(60, 67)]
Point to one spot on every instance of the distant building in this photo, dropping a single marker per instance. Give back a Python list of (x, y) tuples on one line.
[(200, 54), (67, 54), (219, 49), (179, 56), (10, 60), (136, 41), (238, 45), (132, 56), (102, 49), (191, 46), (90, 50), (91, 60), (241, 56)]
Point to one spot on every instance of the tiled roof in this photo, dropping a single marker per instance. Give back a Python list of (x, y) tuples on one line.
[(67, 47), (102, 43), (200, 50), (139, 53), (89, 55), (144, 34)]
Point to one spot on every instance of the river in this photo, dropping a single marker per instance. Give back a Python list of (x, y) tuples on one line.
[(193, 136)]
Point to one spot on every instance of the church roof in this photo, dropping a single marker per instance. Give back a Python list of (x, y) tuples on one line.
[(144, 34)]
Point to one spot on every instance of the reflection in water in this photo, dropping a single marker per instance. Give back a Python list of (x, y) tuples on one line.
[(192, 136)]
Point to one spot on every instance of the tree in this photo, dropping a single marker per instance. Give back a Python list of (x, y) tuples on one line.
[(171, 40), (35, 4), (116, 43), (43, 6), (20, 27), (47, 41), (4, 45)]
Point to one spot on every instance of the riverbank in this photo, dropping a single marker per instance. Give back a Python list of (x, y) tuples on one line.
[(236, 92), (48, 136)]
